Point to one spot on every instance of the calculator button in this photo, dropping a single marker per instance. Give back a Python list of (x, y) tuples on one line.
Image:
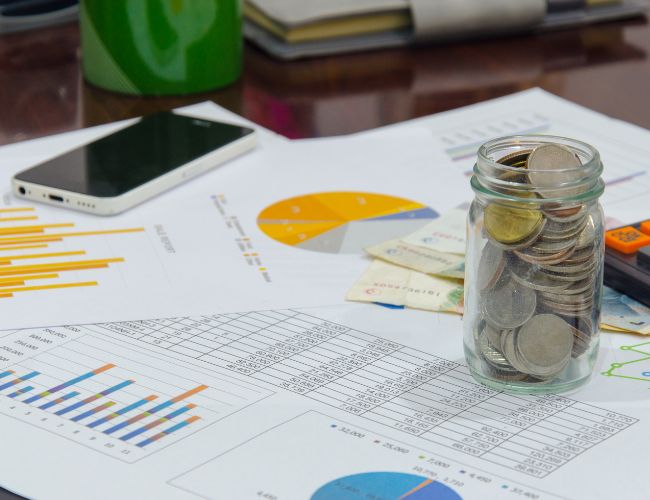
[(645, 227), (626, 239)]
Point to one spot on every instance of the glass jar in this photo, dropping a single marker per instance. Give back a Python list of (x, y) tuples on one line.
[(534, 264)]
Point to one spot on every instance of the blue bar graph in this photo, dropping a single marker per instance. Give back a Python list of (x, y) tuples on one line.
[(5, 374), (94, 397), (166, 432), (157, 422), (118, 413), (56, 401), (69, 383), (92, 411), (18, 380), (20, 391), (155, 409)]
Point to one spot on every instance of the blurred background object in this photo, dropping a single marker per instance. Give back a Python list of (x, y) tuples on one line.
[(161, 47), (603, 66), (19, 15), (292, 29)]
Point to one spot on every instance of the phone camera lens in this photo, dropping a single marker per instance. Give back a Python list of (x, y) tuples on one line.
[(22, 190)]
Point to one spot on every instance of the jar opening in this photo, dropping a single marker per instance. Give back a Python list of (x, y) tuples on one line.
[(502, 170)]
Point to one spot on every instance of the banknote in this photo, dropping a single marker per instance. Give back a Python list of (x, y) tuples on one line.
[(445, 234), (387, 283), (624, 313), (422, 259)]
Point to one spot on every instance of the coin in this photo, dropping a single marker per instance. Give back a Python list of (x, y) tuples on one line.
[(509, 306), (552, 247), (544, 345), (515, 158), (553, 165), (535, 279), (570, 268), (490, 266), (491, 354), (587, 236), (534, 258), (569, 277), (493, 334), (555, 231), (509, 224), (564, 214)]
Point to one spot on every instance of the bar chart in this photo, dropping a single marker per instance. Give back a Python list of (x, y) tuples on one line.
[(22, 240), (128, 407)]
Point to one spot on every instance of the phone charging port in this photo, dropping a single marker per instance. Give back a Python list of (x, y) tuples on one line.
[(56, 198)]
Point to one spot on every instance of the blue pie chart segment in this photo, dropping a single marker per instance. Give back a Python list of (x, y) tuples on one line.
[(385, 486)]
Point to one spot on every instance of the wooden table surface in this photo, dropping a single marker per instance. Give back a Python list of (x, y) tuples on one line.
[(605, 67)]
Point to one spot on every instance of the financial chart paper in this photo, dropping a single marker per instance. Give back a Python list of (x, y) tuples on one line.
[(312, 403)]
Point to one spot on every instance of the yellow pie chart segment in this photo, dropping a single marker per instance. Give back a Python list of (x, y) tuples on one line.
[(342, 222)]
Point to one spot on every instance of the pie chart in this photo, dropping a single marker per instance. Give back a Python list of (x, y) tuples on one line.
[(342, 222), (385, 486)]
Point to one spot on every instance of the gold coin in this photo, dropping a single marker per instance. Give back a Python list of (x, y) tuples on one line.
[(516, 159), (509, 224)]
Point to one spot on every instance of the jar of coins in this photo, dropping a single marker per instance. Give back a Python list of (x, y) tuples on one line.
[(534, 264)]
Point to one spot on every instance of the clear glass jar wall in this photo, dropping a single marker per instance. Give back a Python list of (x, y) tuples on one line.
[(534, 264)]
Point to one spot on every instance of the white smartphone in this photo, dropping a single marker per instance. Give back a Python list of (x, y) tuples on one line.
[(127, 167)]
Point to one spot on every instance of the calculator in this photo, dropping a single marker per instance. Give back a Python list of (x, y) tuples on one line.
[(627, 260)]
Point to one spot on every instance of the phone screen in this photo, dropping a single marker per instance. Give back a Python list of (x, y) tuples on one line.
[(134, 155)]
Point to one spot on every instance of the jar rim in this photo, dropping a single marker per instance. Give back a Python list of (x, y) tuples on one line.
[(580, 183)]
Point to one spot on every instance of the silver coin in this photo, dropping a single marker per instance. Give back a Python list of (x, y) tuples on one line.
[(533, 278), (490, 266), (533, 258), (493, 334), (566, 310), (509, 306), (510, 351), (557, 232), (580, 256), (553, 165), (566, 214), (562, 298), (491, 354), (569, 277), (552, 247), (582, 328), (544, 345), (579, 287), (506, 376), (588, 235), (564, 268)]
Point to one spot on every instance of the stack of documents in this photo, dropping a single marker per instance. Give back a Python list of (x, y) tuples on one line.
[(199, 345), (291, 29)]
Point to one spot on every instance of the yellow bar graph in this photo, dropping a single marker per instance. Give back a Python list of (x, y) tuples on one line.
[(48, 287), (45, 237), (22, 247), (31, 229), (11, 283), (18, 219), (6, 259), (16, 209), (30, 277), (18, 276), (62, 266)]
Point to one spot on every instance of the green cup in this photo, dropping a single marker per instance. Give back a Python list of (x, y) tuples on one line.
[(161, 47)]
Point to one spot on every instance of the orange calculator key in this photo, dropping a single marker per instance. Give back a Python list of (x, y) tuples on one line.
[(645, 227), (626, 239)]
